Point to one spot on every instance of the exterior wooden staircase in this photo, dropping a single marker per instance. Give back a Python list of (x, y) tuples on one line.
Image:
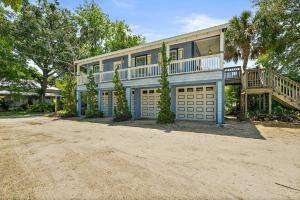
[(266, 82)]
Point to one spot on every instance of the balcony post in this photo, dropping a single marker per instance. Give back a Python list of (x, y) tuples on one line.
[(222, 50), (100, 70), (129, 65), (78, 70), (168, 55), (78, 102), (100, 100)]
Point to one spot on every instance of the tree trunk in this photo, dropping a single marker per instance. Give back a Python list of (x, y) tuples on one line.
[(44, 85)]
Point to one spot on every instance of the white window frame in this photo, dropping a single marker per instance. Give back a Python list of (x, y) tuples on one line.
[(141, 56), (172, 51)]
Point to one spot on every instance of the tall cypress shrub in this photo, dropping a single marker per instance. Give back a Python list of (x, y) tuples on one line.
[(91, 92), (165, 116), (121, 111)]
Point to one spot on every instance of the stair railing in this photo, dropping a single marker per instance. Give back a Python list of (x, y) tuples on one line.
[(286, 87)]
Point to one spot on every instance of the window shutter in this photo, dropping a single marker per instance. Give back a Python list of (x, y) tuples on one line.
[(180, 54), (148, 59), (132, 62)]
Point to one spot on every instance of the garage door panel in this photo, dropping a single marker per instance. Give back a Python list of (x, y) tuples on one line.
[(200, 116), (150, 98), (190, 103), (195, 103), (199, 96)]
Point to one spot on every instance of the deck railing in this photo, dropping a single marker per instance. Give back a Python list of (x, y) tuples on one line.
[(191, 65), (232, 73), (264, 78)]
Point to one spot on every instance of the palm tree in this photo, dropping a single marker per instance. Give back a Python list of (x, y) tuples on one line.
[(239, 39)]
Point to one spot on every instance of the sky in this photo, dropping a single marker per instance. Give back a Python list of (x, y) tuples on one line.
[(158, 19)]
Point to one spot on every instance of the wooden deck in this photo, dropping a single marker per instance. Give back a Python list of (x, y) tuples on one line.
[(267, 83)]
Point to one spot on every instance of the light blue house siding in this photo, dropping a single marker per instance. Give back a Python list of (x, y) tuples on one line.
[(108, 64), (186, 76), (187, 48)]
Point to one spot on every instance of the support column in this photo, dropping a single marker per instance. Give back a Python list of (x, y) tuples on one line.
[(246, 103), (173, 98), (168, 50), (222, 49), (78, 102), (78, 70), (137, 96), (264, 102), (259, 102), (220, 102), (128, 97), (129, 65), (110, 110), (270, 102), (100, 100)]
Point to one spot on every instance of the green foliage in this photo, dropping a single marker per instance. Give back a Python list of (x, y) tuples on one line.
[(95, 115), (41, 107), (232, 99), (240, 39), (4, 104), (98, 34), (42, 33), (277, 23), (67, 88), (165, 115), (121, 38), (121, 111), (14, 4), (91, 93)]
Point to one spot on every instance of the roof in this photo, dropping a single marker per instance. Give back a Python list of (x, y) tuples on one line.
[(155, 43), (6, 92), (30, 83)]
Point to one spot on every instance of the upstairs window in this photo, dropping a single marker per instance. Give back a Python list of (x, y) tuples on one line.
[(96, 69), (174, 54), (140, 60)]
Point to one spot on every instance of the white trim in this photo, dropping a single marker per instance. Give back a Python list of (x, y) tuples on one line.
[(152, 45)]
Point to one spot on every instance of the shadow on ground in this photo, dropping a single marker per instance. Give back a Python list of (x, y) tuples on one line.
[(231, 128)]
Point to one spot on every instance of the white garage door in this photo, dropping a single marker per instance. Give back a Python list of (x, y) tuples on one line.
[(196, 103), (105, 103), (150, 99)]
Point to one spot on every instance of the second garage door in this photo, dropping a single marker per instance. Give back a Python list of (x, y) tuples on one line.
[(150, 99), (196, 103)]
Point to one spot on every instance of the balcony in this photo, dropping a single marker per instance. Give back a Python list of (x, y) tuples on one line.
[(185, 66)]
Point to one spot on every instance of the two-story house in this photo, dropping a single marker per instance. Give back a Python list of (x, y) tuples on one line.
[(196, 76)]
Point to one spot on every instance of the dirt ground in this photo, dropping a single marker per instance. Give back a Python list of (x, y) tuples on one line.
[(47, 158)]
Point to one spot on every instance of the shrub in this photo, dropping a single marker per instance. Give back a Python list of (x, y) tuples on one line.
[(41, 107), (65, 114), (120, 117), (94, 115), (165, 115), (4, 105), (121, 111)]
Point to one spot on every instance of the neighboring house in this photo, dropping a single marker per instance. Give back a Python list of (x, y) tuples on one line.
[(27, 95), (196, 76)]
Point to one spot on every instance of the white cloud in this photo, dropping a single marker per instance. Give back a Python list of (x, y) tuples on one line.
[(150, 34), (123, 3), (195, 22)]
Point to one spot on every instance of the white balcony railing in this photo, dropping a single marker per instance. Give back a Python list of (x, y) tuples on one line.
[(191, 65)]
